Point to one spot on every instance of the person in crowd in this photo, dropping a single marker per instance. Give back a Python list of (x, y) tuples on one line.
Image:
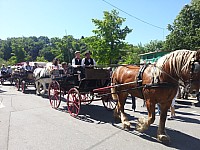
[(65, 67), (133, 102), (172, 108), (56, 68), (9, 70), (35, 66), (27, 67), (158, 109), (76, 61), (88, 61), (3, 68), (55, 64)]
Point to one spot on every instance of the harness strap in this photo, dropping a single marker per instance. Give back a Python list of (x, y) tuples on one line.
[(139, 78)]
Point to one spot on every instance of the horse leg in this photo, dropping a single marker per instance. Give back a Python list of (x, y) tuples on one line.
[(42, 84), (37, 87), (161, 133), (143, 124), (44, 87), (115, 97), (121, 103)]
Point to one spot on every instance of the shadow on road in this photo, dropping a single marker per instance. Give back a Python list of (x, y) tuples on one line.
[(2, 91), (179, 140), (99, 115)]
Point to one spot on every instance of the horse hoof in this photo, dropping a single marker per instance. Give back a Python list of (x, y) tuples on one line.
[(140, 128), (141, 120), (165, 139), (125, 126)]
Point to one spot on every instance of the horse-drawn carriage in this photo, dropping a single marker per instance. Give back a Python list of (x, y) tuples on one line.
[(23, 79), (5, 76), (77, 90)]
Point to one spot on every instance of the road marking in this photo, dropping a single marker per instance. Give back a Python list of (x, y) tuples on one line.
[(1, 105)]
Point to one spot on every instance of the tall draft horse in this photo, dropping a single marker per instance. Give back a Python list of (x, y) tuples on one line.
[(158, 84)]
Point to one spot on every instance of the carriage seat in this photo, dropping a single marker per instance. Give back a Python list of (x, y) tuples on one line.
[(94, 73)]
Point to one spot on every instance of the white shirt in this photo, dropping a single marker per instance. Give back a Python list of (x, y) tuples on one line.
[(83, 62)]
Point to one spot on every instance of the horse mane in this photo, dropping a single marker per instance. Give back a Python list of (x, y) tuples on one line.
[(178, 61)]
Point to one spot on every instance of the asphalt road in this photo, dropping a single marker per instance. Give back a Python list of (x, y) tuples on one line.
[(27, 122)]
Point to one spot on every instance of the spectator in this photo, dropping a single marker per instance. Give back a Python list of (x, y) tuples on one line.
[(172, 108), (158, 109), (133, 103)]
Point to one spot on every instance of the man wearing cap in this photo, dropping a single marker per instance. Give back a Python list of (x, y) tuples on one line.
[(88, 61), (77, 60)]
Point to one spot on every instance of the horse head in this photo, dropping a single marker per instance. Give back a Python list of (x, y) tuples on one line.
[(195, 74)]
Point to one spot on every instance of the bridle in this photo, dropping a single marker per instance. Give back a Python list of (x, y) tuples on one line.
[(194, 70)]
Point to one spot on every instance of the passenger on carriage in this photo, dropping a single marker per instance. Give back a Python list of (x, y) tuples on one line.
[(35, 66), (65, 67), (56, 69), (27, 67), (88, 61), (9, 70)]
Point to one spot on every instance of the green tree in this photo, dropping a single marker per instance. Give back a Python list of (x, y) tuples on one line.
[(185, 31), (18, 52), (5, 49), (154, 45), (132, 55), (109, 37)]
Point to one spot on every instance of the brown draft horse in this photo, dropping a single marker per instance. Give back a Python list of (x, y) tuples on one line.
[(180, 65)]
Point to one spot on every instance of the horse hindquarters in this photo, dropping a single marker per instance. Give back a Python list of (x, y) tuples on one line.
[(121, 98)]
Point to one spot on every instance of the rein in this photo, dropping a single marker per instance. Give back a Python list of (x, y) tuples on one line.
[(171, 76)]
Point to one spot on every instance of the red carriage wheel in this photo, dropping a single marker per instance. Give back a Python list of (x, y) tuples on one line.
[(23, 86), (108, 102), (87, 98), (54, 94), (73, 102)]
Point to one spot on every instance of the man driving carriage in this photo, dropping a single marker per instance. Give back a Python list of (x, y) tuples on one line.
[(88, 61), (76, 62), (27, 67), (76, 67), (28, 71), (5, 72), (3, 69)]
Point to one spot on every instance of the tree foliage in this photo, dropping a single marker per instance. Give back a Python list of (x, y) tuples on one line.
[(109, 37), (185, 31)]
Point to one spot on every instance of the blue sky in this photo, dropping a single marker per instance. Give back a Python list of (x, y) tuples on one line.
[(56, 18)]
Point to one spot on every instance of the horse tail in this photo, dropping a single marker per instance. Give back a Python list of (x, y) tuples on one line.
[(113, 83)]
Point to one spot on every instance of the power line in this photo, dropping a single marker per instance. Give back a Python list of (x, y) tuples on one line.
[(133, 16)]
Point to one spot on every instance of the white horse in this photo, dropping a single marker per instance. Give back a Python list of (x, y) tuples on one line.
[(42, 77)]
